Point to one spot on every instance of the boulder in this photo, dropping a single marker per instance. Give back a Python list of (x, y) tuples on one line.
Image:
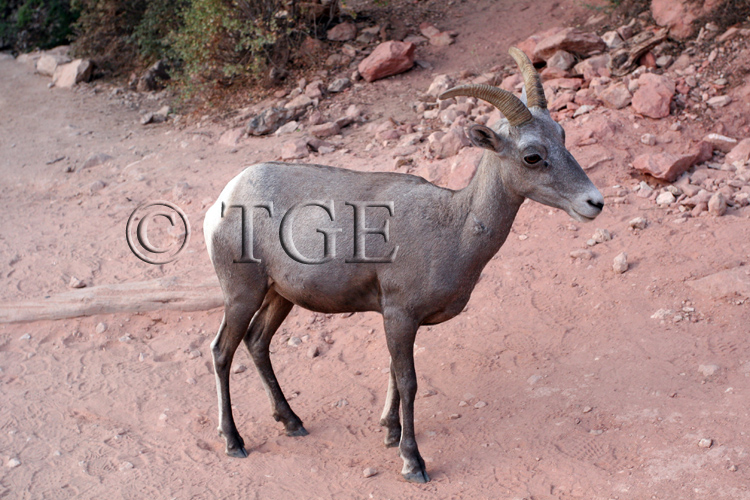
[(325, 129), (298, 103), (679, 15), (294, 149), (314, 90), (68, 75), (653, 96), (721, 142), (48, 63), (529, 45), (668, 166), (615, 96), (342, 32), (561, 60), (151, 79), (593, 67), (740, 153), (388, 58), (339, 85), (440, 84), (269, 120), (571, 40)]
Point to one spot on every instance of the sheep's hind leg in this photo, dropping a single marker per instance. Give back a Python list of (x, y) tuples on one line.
[(258, 339), (390, 418), (236, 319)]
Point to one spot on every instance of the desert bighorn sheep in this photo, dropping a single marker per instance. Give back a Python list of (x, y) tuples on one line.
[(414, 255)]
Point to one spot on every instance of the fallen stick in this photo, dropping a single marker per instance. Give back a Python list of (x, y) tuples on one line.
[(154, 295)]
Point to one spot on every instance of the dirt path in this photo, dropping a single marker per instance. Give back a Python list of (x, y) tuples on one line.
[(585, 394)]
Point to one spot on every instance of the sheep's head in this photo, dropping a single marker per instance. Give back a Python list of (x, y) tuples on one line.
[(530, 146)]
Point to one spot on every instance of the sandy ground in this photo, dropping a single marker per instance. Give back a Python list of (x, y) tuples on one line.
[(587, 396)]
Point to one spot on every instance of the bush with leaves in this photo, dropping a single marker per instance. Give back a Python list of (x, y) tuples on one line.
[(28, 24)]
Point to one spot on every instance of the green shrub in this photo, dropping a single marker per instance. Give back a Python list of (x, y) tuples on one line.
[(222, 39), (28, 24)]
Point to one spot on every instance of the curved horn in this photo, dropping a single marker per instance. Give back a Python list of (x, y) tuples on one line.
[(532, 82), (511, 106)]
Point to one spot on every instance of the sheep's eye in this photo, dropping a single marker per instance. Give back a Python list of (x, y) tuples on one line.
[(532, 159)]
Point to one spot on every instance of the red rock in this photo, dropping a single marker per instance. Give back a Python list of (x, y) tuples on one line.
[(388, 58), (571, 40), (342, 32), (561, 60), (593, 67), (552, 73), (510, 83), (428, 30), (529, 45), (563, 83), (721, 142), (739, 153), (648, 60), (295, 149), (653, 95), (325, 129), (679, 15), (616, 96), (561, 101), (668, 166), (463, 169)]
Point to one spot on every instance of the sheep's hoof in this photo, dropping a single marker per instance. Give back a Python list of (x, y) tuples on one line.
[(237, 452), (298, 432), (420, 477)]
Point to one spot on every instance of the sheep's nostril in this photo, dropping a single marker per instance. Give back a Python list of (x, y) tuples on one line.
[(596, 204)]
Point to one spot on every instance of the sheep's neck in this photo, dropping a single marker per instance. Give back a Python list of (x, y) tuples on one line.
[(490, 207)]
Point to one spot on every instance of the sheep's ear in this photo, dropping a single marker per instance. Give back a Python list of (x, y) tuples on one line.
[(485, 137)]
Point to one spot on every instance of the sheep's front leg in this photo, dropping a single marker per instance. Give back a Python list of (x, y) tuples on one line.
[(400, 331), (390, 417)]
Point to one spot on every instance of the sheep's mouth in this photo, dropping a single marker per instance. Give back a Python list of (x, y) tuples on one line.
[(580, 217)]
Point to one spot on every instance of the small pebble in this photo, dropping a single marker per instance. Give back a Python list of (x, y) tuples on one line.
[(239, 368), (620, 264), (125, 338), (13, 463), (25, 336), (648, 139), (294, 341), (101, 328), (76, 283), (708, 370), (126, 466), (582, 254), (705, 443), (341, 403), (195, 353), (661, 314), (638, 223), (463, 403), (587, 409), (732, 468), (191, 381), (142, 357), (533, 379), (601, 235), (369, 472), (480, 404), (313, 351), (454, 416)]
